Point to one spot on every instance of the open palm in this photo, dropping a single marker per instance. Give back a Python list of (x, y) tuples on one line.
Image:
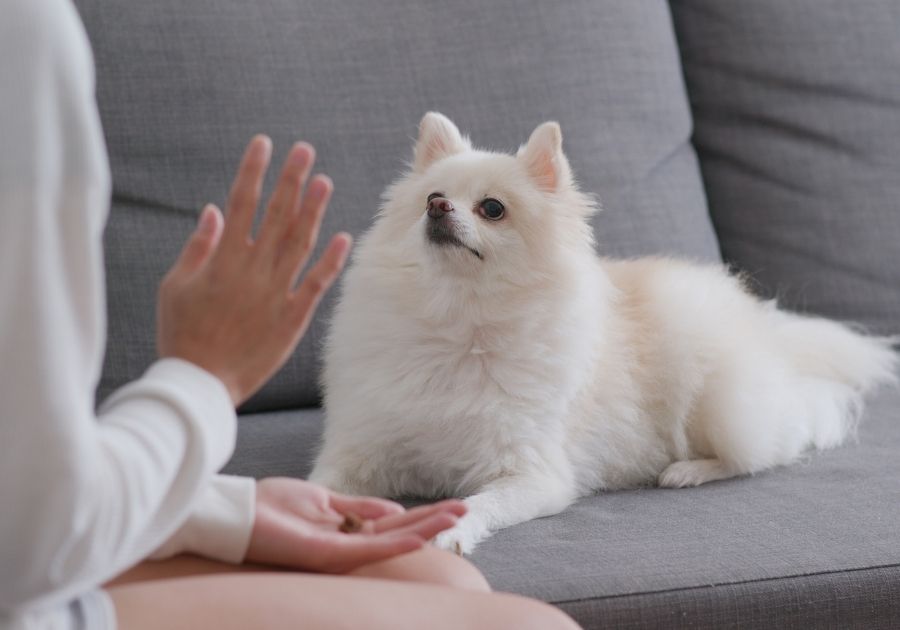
[(298, 526)]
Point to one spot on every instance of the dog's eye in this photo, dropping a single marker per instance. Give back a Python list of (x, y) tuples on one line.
[(433, 195), (491, 209)]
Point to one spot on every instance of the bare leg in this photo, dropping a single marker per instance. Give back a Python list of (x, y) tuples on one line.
[(428, 565), (181, 566), (290, 600)]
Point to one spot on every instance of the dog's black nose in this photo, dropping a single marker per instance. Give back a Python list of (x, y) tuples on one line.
[(438, 207)]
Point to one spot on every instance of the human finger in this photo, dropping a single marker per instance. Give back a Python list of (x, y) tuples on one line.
[(318, 280), (427, 527), (300, 239), (284, 203), (452, 507), (341, 553), (202, 241), (245, 191), (365, 507)]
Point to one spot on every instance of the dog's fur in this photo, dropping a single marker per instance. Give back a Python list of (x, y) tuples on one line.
[(507, 363)]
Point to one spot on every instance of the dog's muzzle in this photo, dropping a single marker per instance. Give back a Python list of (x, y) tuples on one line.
[(440, 229), (439, 207)]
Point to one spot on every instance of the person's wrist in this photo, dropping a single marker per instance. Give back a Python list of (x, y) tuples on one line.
[(230, 383), (228, 380)]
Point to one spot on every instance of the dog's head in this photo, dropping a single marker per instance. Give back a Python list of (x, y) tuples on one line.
[(483, 214)]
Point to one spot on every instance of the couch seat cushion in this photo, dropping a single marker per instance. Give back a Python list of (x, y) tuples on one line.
[(815, 541)]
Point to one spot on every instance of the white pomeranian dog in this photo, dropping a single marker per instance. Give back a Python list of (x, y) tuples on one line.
[(481, 348)]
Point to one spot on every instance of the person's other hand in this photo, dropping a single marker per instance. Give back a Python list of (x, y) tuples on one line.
[(230, 303), (298, 526)]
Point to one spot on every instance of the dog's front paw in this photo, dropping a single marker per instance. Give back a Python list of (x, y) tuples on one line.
[(463, 538), (684, 474), (454, 542)]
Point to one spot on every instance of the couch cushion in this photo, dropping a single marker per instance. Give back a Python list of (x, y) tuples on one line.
[(277, 443), (797, 113), (183, 85), (811, 545)]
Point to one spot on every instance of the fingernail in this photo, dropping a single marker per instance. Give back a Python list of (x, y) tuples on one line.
[(263, 144), (320, 186), (342, 242), (207, 224), (301, 153)]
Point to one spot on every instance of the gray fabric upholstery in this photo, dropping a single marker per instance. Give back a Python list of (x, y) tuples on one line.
[(797, 113), (183, 85), (864, 599), (807, 544), (276, 443)]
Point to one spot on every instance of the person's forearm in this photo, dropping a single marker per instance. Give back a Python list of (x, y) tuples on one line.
[(106, 493)]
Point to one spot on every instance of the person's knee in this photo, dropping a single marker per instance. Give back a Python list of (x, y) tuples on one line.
[(428, 566), (434, 566), (456, 572)]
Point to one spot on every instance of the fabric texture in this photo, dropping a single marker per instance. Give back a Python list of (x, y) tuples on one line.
[(96, 611), (92, 611), (220, 523), (183, 86), (814, 544), (797, 113), (864, 599)]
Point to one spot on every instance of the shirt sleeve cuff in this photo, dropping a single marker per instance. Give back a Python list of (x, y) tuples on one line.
[(220, 524), (202, 399)]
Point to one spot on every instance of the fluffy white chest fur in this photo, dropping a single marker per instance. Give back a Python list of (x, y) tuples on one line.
[(480, 348)]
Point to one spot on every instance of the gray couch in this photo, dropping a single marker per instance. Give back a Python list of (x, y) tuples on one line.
[(765, 133)]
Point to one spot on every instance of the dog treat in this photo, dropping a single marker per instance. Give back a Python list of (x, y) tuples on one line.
[(352, 523)]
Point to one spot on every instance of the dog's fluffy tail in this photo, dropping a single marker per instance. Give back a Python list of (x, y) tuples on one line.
[(826, 349), (837, 366)]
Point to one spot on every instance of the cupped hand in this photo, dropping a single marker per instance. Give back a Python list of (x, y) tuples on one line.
[(298, 526), (231, 303)]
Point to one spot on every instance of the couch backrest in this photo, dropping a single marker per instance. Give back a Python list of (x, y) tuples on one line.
[(797, 113), (183, 84)]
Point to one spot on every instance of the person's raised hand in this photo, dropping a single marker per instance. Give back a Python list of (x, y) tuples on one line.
[(298, 525), (231, 303)]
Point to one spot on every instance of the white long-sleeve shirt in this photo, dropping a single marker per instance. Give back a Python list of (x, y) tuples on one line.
[(84, 496)]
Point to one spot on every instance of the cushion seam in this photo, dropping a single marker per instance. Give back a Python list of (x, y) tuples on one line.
[(719, 584)]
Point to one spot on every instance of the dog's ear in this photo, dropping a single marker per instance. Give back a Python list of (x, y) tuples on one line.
[(438, 138), (544, 159)]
